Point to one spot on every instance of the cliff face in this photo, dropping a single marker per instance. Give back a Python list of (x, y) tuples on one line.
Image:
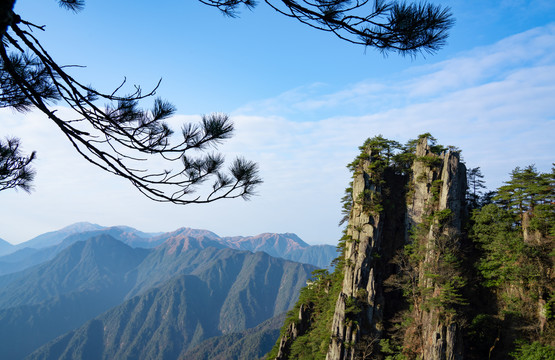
[(399, 258), (438, 191), (408, 204)]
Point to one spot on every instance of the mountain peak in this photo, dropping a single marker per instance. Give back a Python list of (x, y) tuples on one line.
[(57, 236), (82, 226), (187, 231), (6, 247)]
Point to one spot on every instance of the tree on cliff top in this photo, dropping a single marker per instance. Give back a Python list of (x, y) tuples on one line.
[(122, 138)]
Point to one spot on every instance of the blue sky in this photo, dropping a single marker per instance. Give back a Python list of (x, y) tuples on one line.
[(302, 101)]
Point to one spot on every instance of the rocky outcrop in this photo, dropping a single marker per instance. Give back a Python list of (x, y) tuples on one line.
[(294, 330), (398, 284), (438, 190), (360, 276), (388, 207)]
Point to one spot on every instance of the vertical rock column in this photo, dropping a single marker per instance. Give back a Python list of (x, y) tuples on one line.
[(389, 210), (359, 282), (437, 188)]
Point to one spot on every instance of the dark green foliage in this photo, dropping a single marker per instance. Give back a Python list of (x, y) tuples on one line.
[(444, 278), (515, 260), (499, 229), (429, 160), (504, 249), (377, 154), (527, 189), (391, 351), (534, 351), (320, 295), (429, 271), (381, 160), (15, 169), (371, 202), (346, 204), (402, 161), (483, 332), (475, 188), (406, 28)]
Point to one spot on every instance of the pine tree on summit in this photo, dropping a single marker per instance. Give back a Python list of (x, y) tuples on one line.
[(112, 130)]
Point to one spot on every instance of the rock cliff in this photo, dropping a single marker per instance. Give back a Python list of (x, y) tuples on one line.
[(400, 278)]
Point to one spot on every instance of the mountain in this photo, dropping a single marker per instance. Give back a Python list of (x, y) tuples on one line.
[(55, 237), (237, 275), (24, 328), (156, 325), (215, 292), (45, 301), (431, 268), (98, 263), (44, 247), (6, 247), (249, 344), (25, 258), (400, 282), (268, 242), (28, 256), (131, 236), (288, 246), (238, 289), (47, 291), (319, 255)]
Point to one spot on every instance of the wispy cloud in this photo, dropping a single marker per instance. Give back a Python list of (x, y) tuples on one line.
[(532, 49)]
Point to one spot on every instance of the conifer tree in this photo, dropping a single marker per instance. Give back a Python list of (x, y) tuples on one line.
[(15, 169), (475, 186), (515, 236)]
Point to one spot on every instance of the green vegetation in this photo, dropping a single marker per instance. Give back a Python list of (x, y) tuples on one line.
[(380, 159), (378, 155), (320, 296), (430, 161), (514, 237), (493, 278), (476, 185), (534, 351)]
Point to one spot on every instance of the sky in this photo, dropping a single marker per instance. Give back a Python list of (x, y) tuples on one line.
[(302, 102)]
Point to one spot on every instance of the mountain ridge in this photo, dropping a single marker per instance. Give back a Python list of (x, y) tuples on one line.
[(212, 292), (238, 288), (287, 245)]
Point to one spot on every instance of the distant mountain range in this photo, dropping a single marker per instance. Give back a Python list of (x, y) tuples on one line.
[(116, 292), (5, 247), (44, 247)]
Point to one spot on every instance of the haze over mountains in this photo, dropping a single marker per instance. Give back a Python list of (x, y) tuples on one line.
[(127, 294), (46, 246)]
